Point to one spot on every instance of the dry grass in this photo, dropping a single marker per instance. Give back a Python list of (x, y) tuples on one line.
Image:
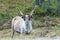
[(40, 29), (39, 32)]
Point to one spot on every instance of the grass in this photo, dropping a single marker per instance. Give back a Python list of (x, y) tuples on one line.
[(39, 29), (8, 8), (7, 33), (36, 33)]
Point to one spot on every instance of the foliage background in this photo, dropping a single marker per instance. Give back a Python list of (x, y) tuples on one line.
[(46, 8)]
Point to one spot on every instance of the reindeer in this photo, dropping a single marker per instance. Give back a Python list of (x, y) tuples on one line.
[(22, 23)]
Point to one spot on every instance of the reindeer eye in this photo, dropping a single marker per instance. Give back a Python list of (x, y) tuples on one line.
[(29, 17), (23, 17)]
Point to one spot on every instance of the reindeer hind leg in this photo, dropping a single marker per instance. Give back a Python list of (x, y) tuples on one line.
[(13, 33)]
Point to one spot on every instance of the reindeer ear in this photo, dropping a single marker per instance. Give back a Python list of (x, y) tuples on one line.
[(21, 14), (32, 12)]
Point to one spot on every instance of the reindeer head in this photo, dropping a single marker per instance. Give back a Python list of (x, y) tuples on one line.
[(27, 17)]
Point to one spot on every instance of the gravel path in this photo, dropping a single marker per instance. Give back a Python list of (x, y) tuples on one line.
[(39, 39), (55, 38)]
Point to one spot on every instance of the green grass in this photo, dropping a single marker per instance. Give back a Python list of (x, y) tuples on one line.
[(8, 8)]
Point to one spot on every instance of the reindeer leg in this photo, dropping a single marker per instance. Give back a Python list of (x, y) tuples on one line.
[(24, 30), (30, 30), (13, 33), (21, 30)]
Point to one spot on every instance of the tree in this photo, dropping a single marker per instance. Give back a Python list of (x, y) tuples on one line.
[(58, 5)]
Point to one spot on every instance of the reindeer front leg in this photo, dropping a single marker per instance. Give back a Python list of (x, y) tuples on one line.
[(21, 30), (30, 28)]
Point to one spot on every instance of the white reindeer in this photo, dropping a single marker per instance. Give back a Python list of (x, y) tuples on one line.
[(22, 23)]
